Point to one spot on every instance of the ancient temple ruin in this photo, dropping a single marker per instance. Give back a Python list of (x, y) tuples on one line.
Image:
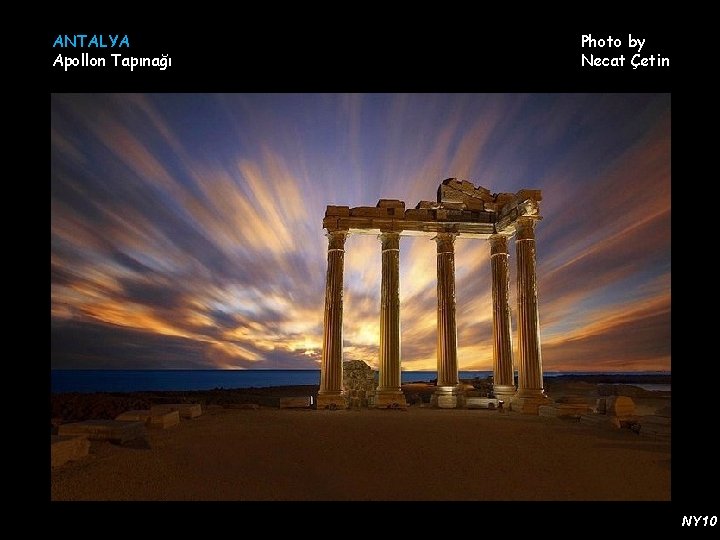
[(462, 210)]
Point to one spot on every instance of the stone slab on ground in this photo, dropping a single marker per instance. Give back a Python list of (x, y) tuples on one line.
[(481, 403), (159, 420), (619, 406), (186, 410), (303, 402), (65, 448), (104, 430)]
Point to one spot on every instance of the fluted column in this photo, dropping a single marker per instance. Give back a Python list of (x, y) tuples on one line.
[(447, 368), (331, 393), (530, 392), (389, 393), (503, 379)]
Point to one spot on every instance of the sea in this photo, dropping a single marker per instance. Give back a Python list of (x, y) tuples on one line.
[(88, 381)]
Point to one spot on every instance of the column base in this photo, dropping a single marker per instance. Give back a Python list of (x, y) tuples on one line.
[(528, 401), (389, 399), (448, 397), (506, 392), (331, 400)]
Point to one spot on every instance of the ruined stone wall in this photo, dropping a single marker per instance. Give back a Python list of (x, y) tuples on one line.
[(358, 383)]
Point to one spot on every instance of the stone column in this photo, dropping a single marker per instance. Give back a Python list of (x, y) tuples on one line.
[(389, 393), (446, 394), (530, 392), (503, 378), (331, 394)]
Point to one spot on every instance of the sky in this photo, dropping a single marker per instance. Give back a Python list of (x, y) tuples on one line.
[(186, 229)]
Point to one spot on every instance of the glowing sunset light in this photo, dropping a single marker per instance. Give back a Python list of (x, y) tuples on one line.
[(186, 230)]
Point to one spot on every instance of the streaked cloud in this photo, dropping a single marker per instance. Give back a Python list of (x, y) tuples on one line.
[(186, 229)]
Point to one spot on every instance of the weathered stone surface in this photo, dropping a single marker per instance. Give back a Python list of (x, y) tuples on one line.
[(303, 402), (477, 205), (488, 207), (528, 405), (601, 420), (619, 406), (446, 401), (418, 215), (65, 448), (458, 206), (104, 430), (186, 410), (160, 420), (337, 211), (426, 205), (368, 211), (358, 383), (388, 400), (481, 402), (391, 203)]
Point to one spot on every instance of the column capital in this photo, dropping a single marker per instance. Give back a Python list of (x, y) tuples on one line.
[(390, 240), (445, 242), (525, 227), (336, 239), (498, 244)]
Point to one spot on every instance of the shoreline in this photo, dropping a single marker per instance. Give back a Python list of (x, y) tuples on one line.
[(79, 406)]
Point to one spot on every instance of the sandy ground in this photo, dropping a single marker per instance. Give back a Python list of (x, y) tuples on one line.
[(418, 454)]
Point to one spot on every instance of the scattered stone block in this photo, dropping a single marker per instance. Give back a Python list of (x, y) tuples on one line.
[(296, 402), (104, 430), (186, 410), (619, 406), (447, 402), (159, 420), (65, 448)]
